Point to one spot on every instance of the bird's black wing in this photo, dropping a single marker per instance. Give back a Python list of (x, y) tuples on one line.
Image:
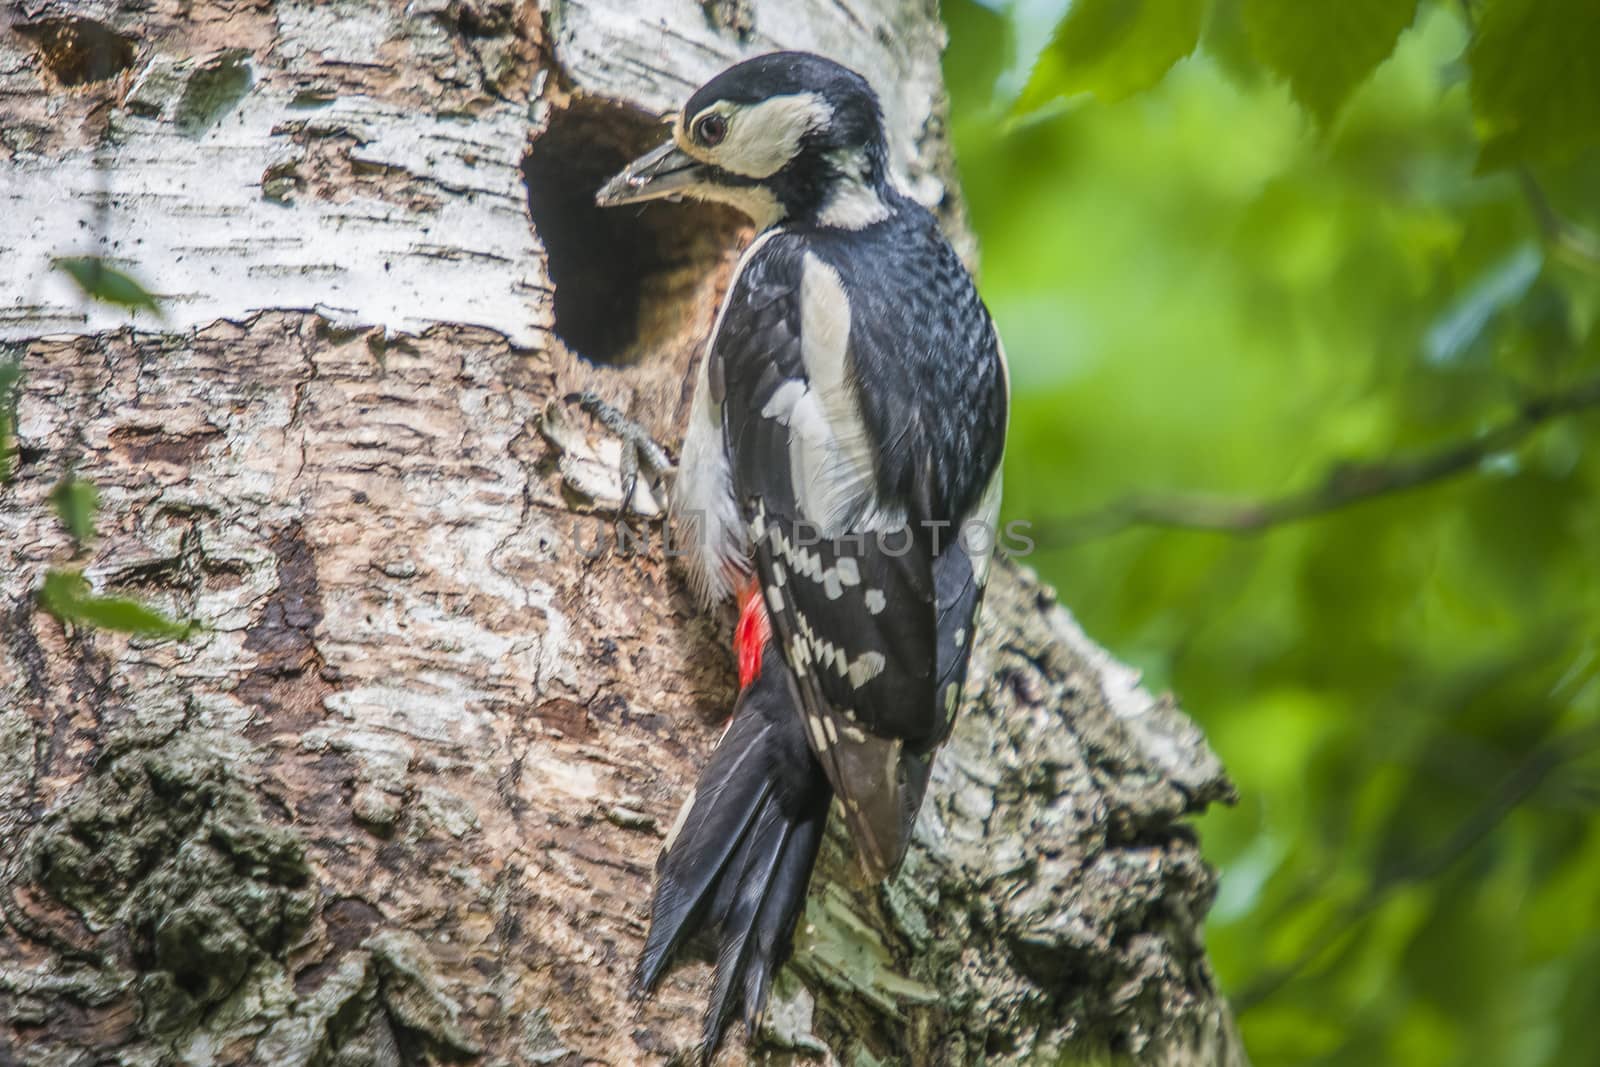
[(871, 608)]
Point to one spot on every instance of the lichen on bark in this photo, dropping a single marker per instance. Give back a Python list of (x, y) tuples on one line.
[(166, 847)]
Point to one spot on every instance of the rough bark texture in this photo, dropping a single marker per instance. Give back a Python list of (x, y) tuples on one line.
[(399, 800)]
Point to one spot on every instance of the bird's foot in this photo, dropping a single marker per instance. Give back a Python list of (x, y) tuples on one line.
[(608, 470)]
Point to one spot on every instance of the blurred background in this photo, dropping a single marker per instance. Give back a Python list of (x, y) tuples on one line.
[(1300, 301)]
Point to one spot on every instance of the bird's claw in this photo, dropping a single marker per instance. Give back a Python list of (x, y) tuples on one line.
[(639, 451), (608, 471)]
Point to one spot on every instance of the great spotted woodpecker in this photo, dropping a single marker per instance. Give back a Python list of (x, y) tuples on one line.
[(841, 475)]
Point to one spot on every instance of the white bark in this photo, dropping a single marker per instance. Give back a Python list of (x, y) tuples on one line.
[(399, 801), (428, 222)]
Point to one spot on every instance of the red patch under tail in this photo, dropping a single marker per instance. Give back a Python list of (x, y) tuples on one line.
[(750, 636)]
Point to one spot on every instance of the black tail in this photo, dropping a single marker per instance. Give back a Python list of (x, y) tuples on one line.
[(734, 872)]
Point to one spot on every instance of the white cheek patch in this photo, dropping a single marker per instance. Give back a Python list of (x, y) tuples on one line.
[(763, 137), (756, 202)]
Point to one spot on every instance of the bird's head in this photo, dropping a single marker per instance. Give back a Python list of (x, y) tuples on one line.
[(786, 136)]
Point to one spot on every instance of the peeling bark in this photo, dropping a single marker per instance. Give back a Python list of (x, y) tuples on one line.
[(399, 800)]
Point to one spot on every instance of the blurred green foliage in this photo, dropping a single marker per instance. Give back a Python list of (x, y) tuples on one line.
[(76, 502), (1266, 249), (65, 592), (104, 283), (10, 375), (66, 595)]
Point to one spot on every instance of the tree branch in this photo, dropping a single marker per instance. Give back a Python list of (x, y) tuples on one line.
[(1346, 484)]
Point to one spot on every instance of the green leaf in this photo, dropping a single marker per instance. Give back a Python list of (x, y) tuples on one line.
[(1536, 79), (66, 595), (1325, 48), (10, 375), (75, 502), (106, 284), (1228, 45), (1114, 48)]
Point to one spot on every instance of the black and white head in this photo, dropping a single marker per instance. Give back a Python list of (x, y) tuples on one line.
[(786, 136)]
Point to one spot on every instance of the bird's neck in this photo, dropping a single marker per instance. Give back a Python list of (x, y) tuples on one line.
[(847, 189), (855, 205)]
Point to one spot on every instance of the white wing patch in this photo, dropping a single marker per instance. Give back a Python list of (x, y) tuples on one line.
[(830, 452), (808, 564), (809, 648), (866, 667)]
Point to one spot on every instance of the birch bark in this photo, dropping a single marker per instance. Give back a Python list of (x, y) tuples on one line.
[(399, 800)]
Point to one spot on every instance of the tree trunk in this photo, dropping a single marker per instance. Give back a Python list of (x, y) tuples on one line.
[(399, 799)]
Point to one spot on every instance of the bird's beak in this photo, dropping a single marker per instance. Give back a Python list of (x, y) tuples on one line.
[(664, 171)]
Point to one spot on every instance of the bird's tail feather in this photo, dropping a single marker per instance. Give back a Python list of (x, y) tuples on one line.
[(735, 872)]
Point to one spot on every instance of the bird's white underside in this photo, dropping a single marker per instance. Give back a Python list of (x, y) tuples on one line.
[(703, 493)]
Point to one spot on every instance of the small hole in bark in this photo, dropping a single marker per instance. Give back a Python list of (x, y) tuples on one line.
[(79, 51), (625, 278)]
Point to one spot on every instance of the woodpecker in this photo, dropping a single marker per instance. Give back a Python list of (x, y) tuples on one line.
[(840, 476)]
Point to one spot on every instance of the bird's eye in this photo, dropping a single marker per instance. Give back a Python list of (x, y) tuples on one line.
[(710, 130)]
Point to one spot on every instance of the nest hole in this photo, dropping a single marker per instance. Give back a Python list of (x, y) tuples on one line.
[(627, 280), (79, 51)]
